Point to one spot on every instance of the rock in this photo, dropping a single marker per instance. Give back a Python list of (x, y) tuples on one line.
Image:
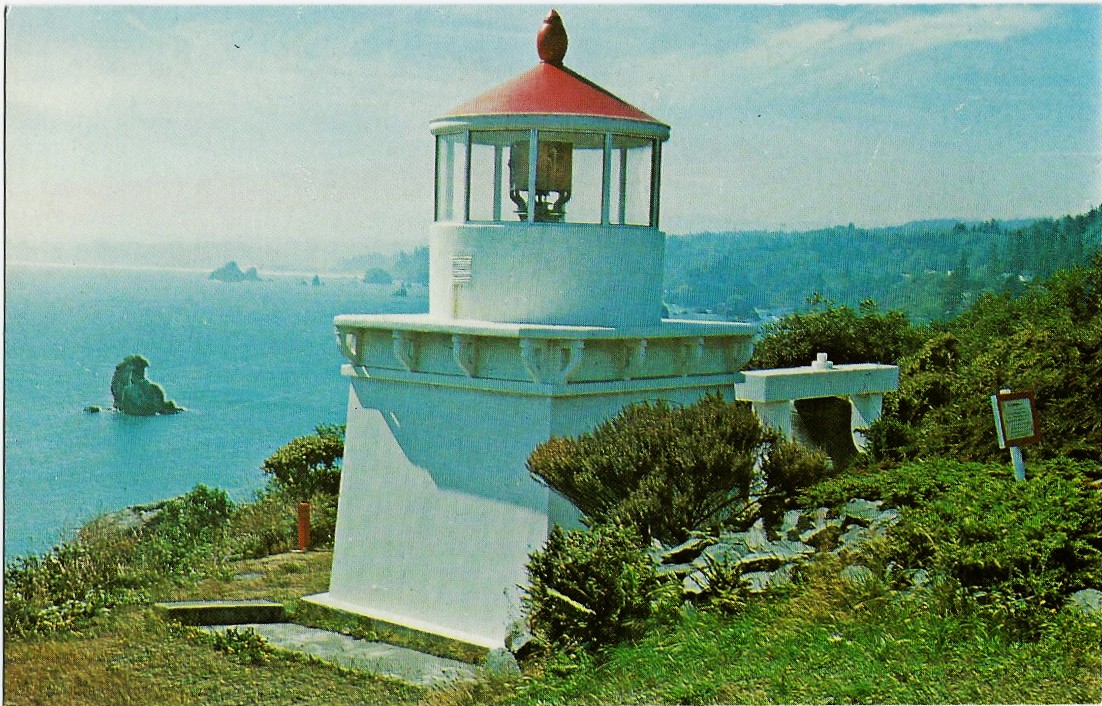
[(126, 520), (1089, 601), (502, 661), (519, 641), (230, 272), (857, 574), (695, 584), (823, 537), (918, 578), (92, 409), (663, 570), (686, 551), (863, 512), (136, 395), (792, 522), (757, 581)]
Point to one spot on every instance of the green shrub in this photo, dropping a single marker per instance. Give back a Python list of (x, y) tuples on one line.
[(242, 644), (663, 470), (847, 336), (63, 589), (308, 464), (323, 519), (110, 564), (269, 525), (177, 541), (263, 527), (590, 588), (1048, 341), (788, 468), (1017, 549), (891, 441)]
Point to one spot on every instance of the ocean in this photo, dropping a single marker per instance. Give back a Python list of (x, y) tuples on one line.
[(255, 364)]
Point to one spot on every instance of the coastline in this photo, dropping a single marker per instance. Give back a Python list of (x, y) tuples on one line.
[(169, 268)]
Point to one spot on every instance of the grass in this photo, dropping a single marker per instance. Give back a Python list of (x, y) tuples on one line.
[(831, 642), (136, 659), (825, 640), (131, 656)]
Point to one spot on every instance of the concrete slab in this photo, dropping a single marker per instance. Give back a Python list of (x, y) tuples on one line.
[(809, 382), (376, 657), (222, 612)]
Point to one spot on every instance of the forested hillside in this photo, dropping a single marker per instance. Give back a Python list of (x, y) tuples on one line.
[(930, 270)]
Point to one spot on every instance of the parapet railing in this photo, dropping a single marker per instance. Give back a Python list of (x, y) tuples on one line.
[(557, 355)]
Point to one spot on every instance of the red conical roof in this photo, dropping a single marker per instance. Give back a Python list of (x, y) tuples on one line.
[(547, 89), (550, 88)]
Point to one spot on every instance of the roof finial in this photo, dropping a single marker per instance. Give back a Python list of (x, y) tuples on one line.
[(551, 40)]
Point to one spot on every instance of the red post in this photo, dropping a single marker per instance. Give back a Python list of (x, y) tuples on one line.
[(303, 526)]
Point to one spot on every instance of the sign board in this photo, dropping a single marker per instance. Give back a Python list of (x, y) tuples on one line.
[(1015, 418), (461, 268)]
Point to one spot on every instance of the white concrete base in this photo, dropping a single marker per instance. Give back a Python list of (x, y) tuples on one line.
[(327, 600), (438, 513)]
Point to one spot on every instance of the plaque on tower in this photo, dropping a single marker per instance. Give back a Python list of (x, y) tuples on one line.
[(461, 269)]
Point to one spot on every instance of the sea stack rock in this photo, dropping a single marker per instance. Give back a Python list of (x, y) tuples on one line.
[(230, 272), (135, 394)]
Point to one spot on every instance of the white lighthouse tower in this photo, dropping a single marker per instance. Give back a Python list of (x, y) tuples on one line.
[(545, 319)]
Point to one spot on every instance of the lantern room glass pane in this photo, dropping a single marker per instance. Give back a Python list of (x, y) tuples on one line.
[(489, 185), (451, 164), (632, 181), (570, 176)]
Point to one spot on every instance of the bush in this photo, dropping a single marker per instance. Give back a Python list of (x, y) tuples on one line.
[(847, 336), (178, 540), (1017, 548), (263, 527), (308, 464), (110, 564), (788, 468), (590, 588), (242, 644), (1048, 340), (63, 589), (666, 471)]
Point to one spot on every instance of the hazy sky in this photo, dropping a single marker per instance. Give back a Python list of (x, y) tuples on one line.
[(310, 124)]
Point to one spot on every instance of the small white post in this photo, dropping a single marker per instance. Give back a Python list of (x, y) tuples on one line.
[(1019, 462)]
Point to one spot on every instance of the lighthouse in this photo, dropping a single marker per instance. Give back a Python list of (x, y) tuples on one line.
[(545, 319)]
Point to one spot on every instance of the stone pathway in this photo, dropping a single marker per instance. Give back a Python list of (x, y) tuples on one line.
[(377, 657)]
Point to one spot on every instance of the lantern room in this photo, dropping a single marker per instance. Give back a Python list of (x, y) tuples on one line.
[(545, 180)]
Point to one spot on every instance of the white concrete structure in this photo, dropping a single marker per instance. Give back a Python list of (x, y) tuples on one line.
[(773, 392), (544, 319)]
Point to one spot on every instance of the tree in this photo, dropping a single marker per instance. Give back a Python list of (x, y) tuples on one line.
[(377, 275), (308, 464), (847, 336)]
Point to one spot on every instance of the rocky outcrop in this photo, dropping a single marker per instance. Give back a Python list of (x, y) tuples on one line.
[(761, 560), (230, 272), (135, 394)]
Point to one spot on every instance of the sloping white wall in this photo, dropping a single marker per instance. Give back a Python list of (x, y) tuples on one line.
[(438, 513)]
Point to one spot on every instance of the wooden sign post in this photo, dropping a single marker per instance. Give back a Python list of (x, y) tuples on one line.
[(1016, 424)]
